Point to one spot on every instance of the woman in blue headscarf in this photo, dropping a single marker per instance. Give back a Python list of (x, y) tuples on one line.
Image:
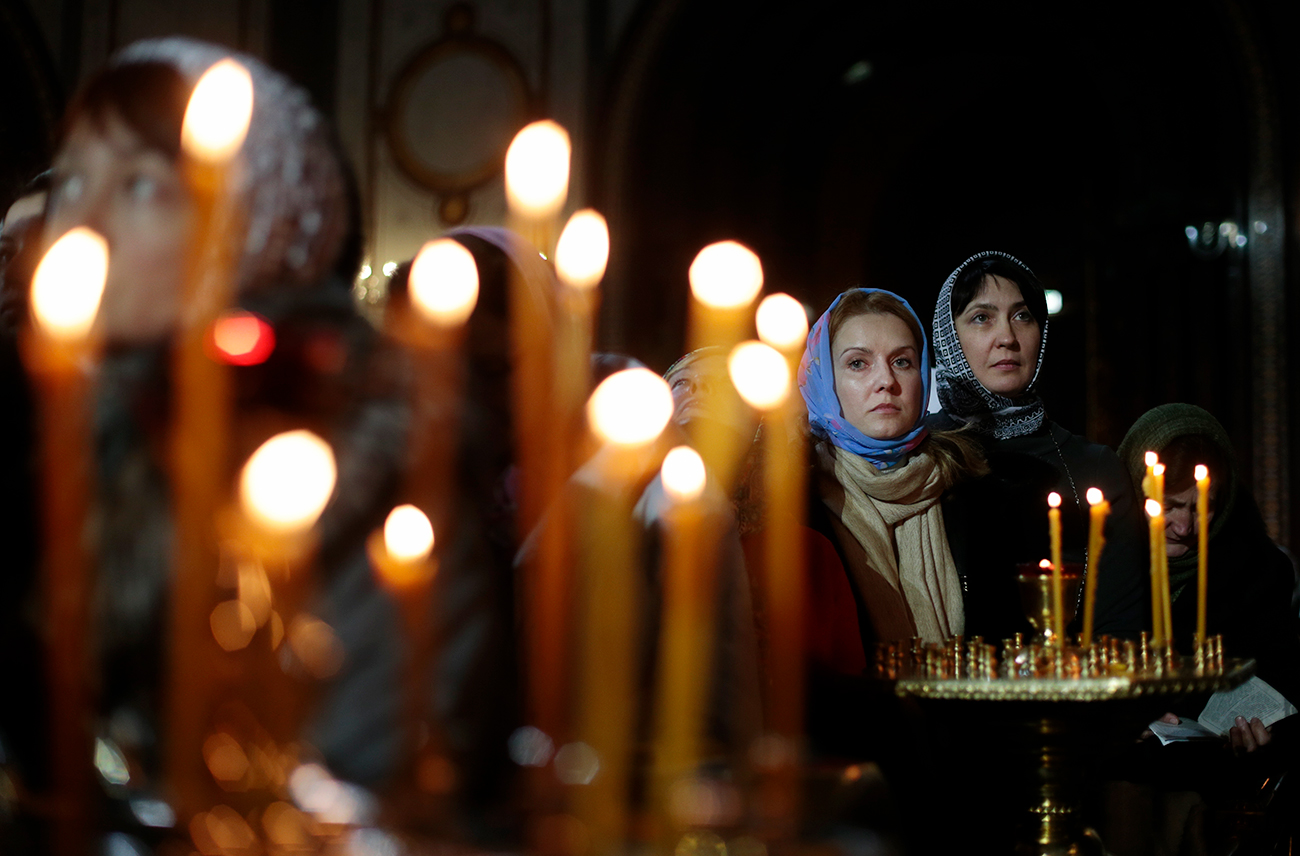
[(879, 471)]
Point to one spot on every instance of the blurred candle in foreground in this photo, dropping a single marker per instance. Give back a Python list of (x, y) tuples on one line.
[(627, 411), (213, 132), (217, 116), (66, 290), (444, 283), (68, 285), (1157, 527), (1098, 508), (287, 482), (1054, 531), (537, 181), (686, 635), (782, 323), (1202, 474), (725, 279), (762, 375), (583, 250)]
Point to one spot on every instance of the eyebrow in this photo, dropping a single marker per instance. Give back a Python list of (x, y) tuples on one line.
[(991, 308), (869, 351)]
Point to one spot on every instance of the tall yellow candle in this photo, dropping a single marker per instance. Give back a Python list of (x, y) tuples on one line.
[(627, 412), (1157, 528), (1166, 603), (686, 637), (66, 291), (1054, 531), (725, 278), (1202, 546), (215, 125), (1098, 509)]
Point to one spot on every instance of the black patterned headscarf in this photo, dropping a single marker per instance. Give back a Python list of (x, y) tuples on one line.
[(963, 397)]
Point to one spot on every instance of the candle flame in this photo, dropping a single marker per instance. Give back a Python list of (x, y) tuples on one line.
[(781, 322), (444, 282), (537, 169), (1151, 459), (1054, 499), (69, 283), (1095, 496), (408, 534), (760, 373), (286, 483), (726, 275), (1158, 470), (1152, 508), (683, 474), (583, 250), (630, 408), (216, 120), (1201, 472), (1045, 565)]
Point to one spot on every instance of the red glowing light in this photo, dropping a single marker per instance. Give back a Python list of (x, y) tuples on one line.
[(242, 339)]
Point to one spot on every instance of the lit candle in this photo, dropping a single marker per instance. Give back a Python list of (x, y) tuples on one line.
[(686, 635), (1148, 480), (1054, 532), (725, 279), (1098, 509), (401, 556), (628, 412), (1162, 554), (1157, 526), (213, 131), (580, 258), (66, 290), (762, 375), (1202, 547), (537, 181)]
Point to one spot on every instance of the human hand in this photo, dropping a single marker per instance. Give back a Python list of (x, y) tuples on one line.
[(1248, 736), (1168, 719)]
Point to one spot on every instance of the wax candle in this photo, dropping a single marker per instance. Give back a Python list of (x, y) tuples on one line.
[(1202, 474), (66, 291), (1054, 531), (1148, 480), (1162, 554), (686, 636), (627, 412), (1156, 516), (762, 375), (1098, 508), (725, 279), (213, 131)]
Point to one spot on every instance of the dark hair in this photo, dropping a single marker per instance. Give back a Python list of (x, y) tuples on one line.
[(1181, 455), (150, 97), (970, 282)]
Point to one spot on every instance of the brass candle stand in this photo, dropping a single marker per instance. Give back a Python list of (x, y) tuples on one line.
[(1048, 711)]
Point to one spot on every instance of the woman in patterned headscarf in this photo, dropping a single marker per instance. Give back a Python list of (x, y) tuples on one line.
[(990, 335), (880, 472)]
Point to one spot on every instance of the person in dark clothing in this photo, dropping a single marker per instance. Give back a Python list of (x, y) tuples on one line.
[(990, 333)]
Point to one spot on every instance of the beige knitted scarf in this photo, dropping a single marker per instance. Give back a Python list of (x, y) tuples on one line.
[(895, 517)]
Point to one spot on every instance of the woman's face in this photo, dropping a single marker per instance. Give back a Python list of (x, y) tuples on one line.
[(878, 375), (1000, 337), (108, 180), (1180, 520)]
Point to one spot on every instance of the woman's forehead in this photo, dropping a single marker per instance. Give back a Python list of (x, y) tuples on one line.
[(995, 286)]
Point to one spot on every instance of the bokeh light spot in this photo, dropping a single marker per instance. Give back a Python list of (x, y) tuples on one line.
[(576, 764), (233, 625)]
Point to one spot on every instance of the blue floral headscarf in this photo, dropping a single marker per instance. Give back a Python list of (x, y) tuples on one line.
[(826, 418)]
